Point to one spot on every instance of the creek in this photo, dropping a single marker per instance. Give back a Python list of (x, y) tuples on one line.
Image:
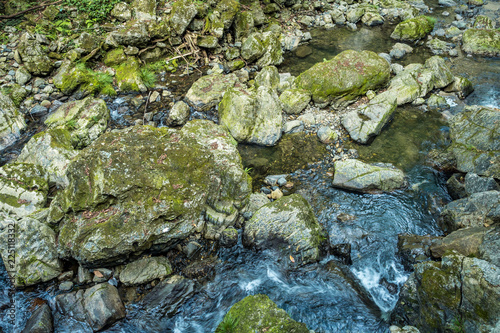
[(315, 294)]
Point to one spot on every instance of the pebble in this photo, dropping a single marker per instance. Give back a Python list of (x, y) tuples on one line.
[(55, 105), (265, 190), (154, 96), (46, 104), (48, 89), (38, 82), (66, 286), (282, 181)]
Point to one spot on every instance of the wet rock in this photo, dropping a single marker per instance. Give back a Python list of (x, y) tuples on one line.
[(344, 77), (145, 270), (399, 50), (121, 12), (11, 122), (229, 237), (71, 304), (192, 249), (166, 298), (303, 51), (35, 249), (456, 186), (358, 176), (369, 120), (23, 188), (294, 100), (142, 178), (208, 90), (462, 86), (33, 56), (442, 160), (442, 73), (41, 321), (179, 114), (66, 286), (103, 306), (203, 269), (413, 29), (475, 184), (326, 134), (288, 223), (84, 276), (182, 14), (22, 76), (481, 42), (489, 250), (436, 102), (474, 211), (293, 126), (464, 241), (252, 117), (257, 200), (52, 151), (413, 249)]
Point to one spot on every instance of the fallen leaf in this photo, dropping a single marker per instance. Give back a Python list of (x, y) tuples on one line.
[(291, 259), (98, 274)]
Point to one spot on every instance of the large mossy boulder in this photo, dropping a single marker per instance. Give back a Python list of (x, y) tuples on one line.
[(455, 294), (358, 176), (69, 77), (265, 48), (183, 12), (475, 135), (33, 55), (257, 313), (11, 122), (346, 76), (35, 250), (208, 90), (129, 77), (482, 42), (413, 29), (23, 188), (85, 120), (288, 223), (252, 117), (143, 187)]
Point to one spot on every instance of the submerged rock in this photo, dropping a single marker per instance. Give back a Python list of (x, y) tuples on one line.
[(413, 29), (346, 76), (144, 187), (288, 223), (482, 42), (11, 122), (257, 312), (355, 175), (166, 298)]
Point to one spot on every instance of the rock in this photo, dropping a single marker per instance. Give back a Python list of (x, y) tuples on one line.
[(475, 184), (121, 12), (362, 177), (142, 178), (293, 126), (22, 76), (475, 135), (227, 10), (481, 42), (337, 16), (192, 249), (208, 42), (40, 321), (483, 22), (115, 57), (85, 120), (229, 237), (295, 100), (33, 56), (263, 47), (368, 120), (489, 249), (462, 86), (475, 211), (71, 304), (256, 313), (52, 151), (288, 223), (145, 10), (182, 14), (35, 249), (145, 270), (179, 114), (455, 292), (69, 77), (404, 329), (23, 188), (66, 286), (464, 241), (129, 76), (437, 102), (442, 160), (413, 249), (346, 76), (326, 134), (413, 29), (133, 33), (372, 19), (399, 50), (166, 298), (252, 47), (11, 122), (456, 187), (208, 90), (257, 200), (442, 73), (252, 117), (243, 25), (103, 306), (84, 275), (203, 269), (267, 77)]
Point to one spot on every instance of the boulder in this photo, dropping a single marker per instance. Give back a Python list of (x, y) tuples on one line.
[(462, 86), (346, 76), (474, 211), (133, 33), (11, 122), (85, 120), (273, 54), (145, 270), (257, 313), (268, 77), (22, 76), (52, 151), (475, 135), (243, 25), (464, 241), (475, 184), (33, 55), (481, 42), (35, 247), (489, 250), (294, 100), (145, 10), (142, 187), (40, 321), (179, 114), (290, 224), (166, 298), (121, 12), (227, 10), (103, 306), (252, 117), (256, 201), (183, 12), (358, 176), (442, 73), (208, 90), (129, 76), (252, 47), (413, 29), (413, 249), (23, 188), (69, 77), (368, 120), (208, 42)]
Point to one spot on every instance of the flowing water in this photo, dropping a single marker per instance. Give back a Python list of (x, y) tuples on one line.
[(315, 294)]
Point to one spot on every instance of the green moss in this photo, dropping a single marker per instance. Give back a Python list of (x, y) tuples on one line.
[(414, 29), (129, 76), (115, 57)]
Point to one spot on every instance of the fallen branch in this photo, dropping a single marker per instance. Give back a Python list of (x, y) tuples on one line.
[(29, 10), (179, 56)]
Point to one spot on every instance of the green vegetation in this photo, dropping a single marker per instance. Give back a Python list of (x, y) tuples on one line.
[(96, 82), (95, 9), (71, 125), (148, 77), (228, 324)]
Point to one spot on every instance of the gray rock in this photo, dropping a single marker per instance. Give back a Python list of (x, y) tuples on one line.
[(326, 134), (358, 176), (294, 100), (462, 86), (145, 10), (293, 126), (71, 304), (22, 76), (11, 122), (40, 321), (121, 12), (475, 184), (229, 237), (39, 110), (208, 90), (464, 241), (447, 3), (442, 73), (257, 200), (145, 270), (267, 77), (33, 55), (103, 306), (413, 249), (182, 14), (489, 250), (456, 187), (66, 286), (179, 114), (134, 33), (84, 276), (399, 50), (166, 298)]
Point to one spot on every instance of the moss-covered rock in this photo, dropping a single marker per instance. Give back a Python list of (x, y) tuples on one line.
[(294, 100), (273, 54), (115, 57), (23, 188), (290, 224), (129, 77), (207, 91), (183, 12), (482, 42), (268, 77), (69, 77), (35, 250), (33, 55), (11, 122), (347, 75), (413, 29), (442, 73), (483, 22), (243, 25), (121, 12), (145, 187), (253, 47), (462, 86), (133, 33), (464, 241), (228, 10), (145, 10), (208, 42)]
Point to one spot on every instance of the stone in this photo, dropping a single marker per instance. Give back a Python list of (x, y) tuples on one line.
[(208, 90), (243, 25), (183, 12), (293, 126), (201, 269), (267, 77), (436, 102), (33, 56), (346, 76), (129, 76), (257, 312), (229, 237), (22, 76), (166, 298), (121, 12), (489, 249), (413, 29), (288, 223), (456, 187), (358, 176), (413, 249), (41, 321), (368, 121), (115, 57), (140, 178), (35, 249), (133, 33), (227, 10), (257, 200), (461, 86), (103, 306), (145, 10), (11, 122), (273, 54), (252, 47), (145, 270), (404, 329), (483, 22), (399, 50), (442, 73), (66, 286), (464, 241), (208, 42), (481, 42), (179, 114), (372, 19), (475, 184), (252, 117), (294, 100), (326, 134)]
